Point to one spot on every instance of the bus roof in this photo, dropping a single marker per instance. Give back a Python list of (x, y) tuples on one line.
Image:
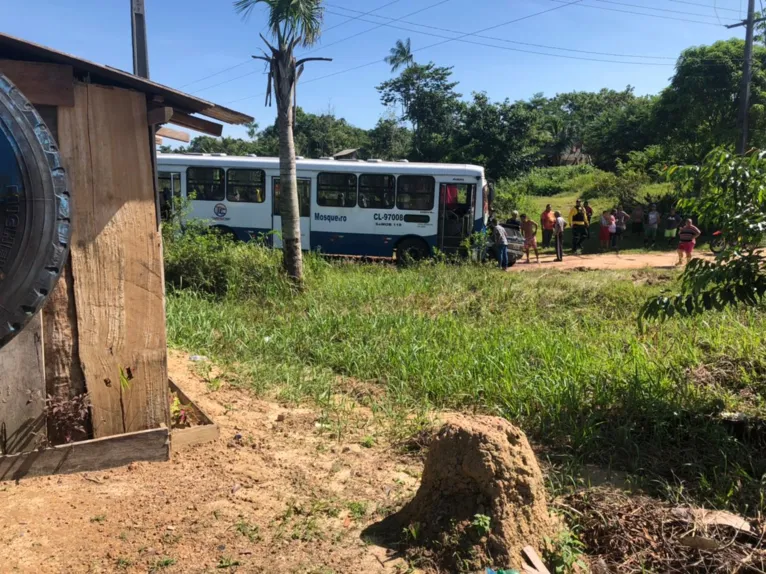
[(351, 166)]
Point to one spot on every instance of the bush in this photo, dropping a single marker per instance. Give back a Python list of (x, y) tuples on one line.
[(509, 197), (545, 182)]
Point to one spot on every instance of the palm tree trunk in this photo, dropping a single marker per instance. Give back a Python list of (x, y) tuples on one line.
[(289, 205)]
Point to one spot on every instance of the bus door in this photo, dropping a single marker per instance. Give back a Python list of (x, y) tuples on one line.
[(457, 205), (169, 187), (304, 201)]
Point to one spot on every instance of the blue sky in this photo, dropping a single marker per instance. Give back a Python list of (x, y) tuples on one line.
[(191, 39)]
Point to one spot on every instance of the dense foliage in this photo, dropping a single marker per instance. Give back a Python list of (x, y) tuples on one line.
[(727, 192), (428, 119)]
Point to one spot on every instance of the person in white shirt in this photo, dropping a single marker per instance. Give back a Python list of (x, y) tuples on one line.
[(652, 224), (558, 230)]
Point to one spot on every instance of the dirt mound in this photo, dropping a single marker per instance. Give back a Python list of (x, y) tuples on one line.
[(481, 499)]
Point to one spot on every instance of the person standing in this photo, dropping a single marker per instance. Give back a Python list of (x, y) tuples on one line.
[(500, 238), (621, 219), (613, 231), (579, 223), (558, 231), (672, 223), (547, 222), (687, 239), (573, 212), (513, 223), (652, 223), (588, 210), (603, 232), (529, 229), (637, 220)]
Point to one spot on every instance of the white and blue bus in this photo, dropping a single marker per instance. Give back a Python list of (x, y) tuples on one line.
[(347, 207)]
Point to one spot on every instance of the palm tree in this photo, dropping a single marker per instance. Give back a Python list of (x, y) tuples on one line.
[(292, 23), (400, 55)]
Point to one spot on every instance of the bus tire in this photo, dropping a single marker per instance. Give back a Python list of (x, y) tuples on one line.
[(411, 249), (227, 232), (34, 212)]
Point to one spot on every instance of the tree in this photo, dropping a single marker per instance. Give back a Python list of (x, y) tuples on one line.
[(499, 136), (389, 139), (726, 192), (619, 130), (429, 102), (400, 55), (698, 111), (292, 23)]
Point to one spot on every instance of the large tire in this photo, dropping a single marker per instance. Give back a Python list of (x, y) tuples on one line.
[(34, 212), (411, 249)]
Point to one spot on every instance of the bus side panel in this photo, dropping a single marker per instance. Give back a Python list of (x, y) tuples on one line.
[(372, 232)]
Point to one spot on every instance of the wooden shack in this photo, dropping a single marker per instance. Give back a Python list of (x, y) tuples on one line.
[(102, 330)]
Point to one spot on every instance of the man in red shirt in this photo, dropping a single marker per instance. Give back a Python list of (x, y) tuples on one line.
[(547, 222)]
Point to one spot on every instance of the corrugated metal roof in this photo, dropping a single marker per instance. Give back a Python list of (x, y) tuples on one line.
[(17, 49)]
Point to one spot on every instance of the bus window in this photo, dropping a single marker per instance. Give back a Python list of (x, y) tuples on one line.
[(415, 192), (336, 190), (245, 185), (304, 196), (206, 183), (377, 191)]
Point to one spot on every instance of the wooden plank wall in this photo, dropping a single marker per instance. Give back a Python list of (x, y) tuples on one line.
[(22, 391), (116, 258)]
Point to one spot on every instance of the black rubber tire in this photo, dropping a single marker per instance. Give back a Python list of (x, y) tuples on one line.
[(718, 244), (411, 249), (34, 212)]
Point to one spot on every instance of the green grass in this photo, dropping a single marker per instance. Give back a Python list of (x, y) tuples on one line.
[(560, 354)]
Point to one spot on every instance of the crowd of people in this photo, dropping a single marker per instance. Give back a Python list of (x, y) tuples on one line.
[(614, 225)]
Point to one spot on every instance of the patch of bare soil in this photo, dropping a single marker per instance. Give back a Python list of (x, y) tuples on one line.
[(627, 534), (273, 494), (657, 260)]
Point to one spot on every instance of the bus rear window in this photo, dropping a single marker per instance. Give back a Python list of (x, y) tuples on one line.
[(336, 190), (415, 192), (205, 183), (377, 191), (245, 185)]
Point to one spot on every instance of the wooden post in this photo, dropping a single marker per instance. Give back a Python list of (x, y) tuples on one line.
[(22, 391)]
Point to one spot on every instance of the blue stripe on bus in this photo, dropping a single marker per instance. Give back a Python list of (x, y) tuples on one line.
[(364, 244)]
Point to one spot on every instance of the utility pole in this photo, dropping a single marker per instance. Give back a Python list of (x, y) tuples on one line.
[(747, 75), (138, 28)]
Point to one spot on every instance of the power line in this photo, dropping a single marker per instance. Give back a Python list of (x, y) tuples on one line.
[(249, 60), (368, 64), (580, 58), (378, 26), (495, 38), (704, 5), (640, 13), (668, 10)]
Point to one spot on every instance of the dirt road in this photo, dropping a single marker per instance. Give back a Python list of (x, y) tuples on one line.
[(276, 493), (657, 260)]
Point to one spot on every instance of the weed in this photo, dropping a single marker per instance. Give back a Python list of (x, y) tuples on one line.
[(565, 553), (368, 442), (412, 532), (481, 525), (227, 562), (123, 563), (123, 536), (171, 538), (99, 518), (357, 510), (68, 416), (161, 564), (249, 531)]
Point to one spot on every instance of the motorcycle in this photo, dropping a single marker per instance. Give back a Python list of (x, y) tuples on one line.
[(718, 243)]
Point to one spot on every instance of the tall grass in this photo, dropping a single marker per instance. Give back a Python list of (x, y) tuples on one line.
[(558, 353)]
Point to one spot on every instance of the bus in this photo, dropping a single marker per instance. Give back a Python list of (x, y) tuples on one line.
[(347, 207)]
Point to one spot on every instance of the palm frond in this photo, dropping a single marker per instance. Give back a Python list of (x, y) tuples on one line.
[(289, 19)]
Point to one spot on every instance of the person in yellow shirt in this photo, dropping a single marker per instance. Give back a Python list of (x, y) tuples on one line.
[(579, 222), (574, 210)]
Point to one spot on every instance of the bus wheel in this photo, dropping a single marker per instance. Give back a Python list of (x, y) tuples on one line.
[(411, 249), (34, 212), (226, 232)]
